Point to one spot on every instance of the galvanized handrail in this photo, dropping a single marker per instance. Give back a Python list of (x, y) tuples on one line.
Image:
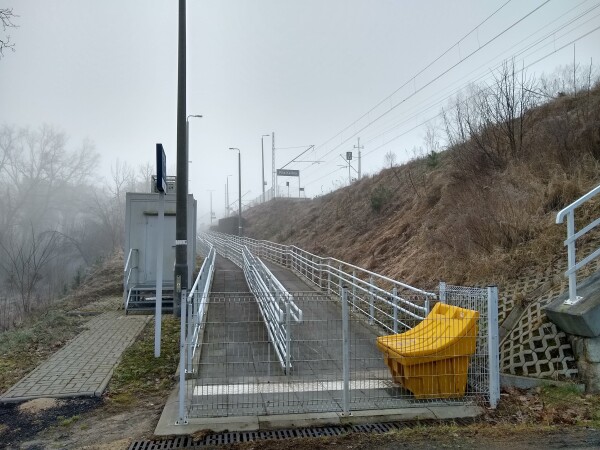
[(275, 303), (572, 236), (197, 303), (129, 266), (386, 302)]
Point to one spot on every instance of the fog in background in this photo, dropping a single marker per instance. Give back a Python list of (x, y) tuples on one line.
[(91, 87), (106, 72)]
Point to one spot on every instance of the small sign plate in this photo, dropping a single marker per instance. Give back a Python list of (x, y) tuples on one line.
[(161, 169), (288, 173)]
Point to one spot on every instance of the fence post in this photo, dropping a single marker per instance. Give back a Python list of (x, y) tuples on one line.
[(345, 352), (190, 331), (320, 273), (328, 276), (571, 259), (182, 420), (371, 301), (353, 290), (288, 338), (493, 346), (442, 292), (340, 279), (395, 301)]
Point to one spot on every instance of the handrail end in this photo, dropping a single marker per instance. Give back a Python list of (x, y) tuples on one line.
[(560, 217)]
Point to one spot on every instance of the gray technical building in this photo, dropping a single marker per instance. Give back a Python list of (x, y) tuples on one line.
[(142, 239)]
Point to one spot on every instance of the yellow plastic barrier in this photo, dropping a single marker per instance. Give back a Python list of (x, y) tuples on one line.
[(432, 359)]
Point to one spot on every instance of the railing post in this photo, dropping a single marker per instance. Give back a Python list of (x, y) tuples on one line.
[(190, 332), (442, 292), (493, 346), (353, 290), (340, 279), (320, 273), (371, 301), (345, 352), (182, 420), (288, 337), (571, 258), (395, 301), (328, 276)]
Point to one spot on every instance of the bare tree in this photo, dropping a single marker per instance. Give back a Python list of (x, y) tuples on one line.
[(491, 124), (390, 159), (24, 260), (6, 17), (46, 219)]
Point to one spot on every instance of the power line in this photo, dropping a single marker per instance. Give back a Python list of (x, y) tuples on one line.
[(416, 91), (528, 47), (420, 72), (466, 99)]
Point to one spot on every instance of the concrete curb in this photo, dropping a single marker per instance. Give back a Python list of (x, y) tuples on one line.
[(166, 425), (530, 383), (7, 400)]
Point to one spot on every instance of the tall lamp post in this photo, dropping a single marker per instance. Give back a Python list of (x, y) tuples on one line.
[(239, 190), (262, 146), (181, 266)]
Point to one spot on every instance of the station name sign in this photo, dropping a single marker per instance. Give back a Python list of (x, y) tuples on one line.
[(288, 173)]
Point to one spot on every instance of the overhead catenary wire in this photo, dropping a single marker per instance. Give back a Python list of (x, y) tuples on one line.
[(429, 83), (464, 100), (522, 51)]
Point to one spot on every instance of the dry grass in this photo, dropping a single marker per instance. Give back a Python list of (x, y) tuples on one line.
[(452, 220)]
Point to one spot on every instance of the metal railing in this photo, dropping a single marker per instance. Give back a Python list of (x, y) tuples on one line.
[(276, 306), (275, 303), (130, 264), (572, 236), (338, 367), (197, 303), (384, 302)]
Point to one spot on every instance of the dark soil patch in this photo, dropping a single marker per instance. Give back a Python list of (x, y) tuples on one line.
[(16, 427)]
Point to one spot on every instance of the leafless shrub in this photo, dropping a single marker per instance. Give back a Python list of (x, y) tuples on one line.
[(6, 18), (390, 159), (492, 124)]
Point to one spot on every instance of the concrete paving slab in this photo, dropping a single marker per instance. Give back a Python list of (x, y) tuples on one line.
[(84, 366)]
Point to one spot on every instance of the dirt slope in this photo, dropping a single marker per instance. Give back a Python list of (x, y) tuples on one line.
[(476, 213)]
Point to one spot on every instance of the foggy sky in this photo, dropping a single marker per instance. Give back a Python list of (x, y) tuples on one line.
[(107, 70)]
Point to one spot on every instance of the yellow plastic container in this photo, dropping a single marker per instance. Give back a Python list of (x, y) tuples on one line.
[(432, 359)]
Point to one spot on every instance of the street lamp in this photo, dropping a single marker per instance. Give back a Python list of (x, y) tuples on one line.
[(262, 146), (239, 190)]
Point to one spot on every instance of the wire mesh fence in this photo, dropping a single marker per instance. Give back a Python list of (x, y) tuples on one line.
[(339, 362)]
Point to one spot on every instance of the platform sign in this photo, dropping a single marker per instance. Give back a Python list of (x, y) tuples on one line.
[(288, 173), (161, 169), (161, 186)]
